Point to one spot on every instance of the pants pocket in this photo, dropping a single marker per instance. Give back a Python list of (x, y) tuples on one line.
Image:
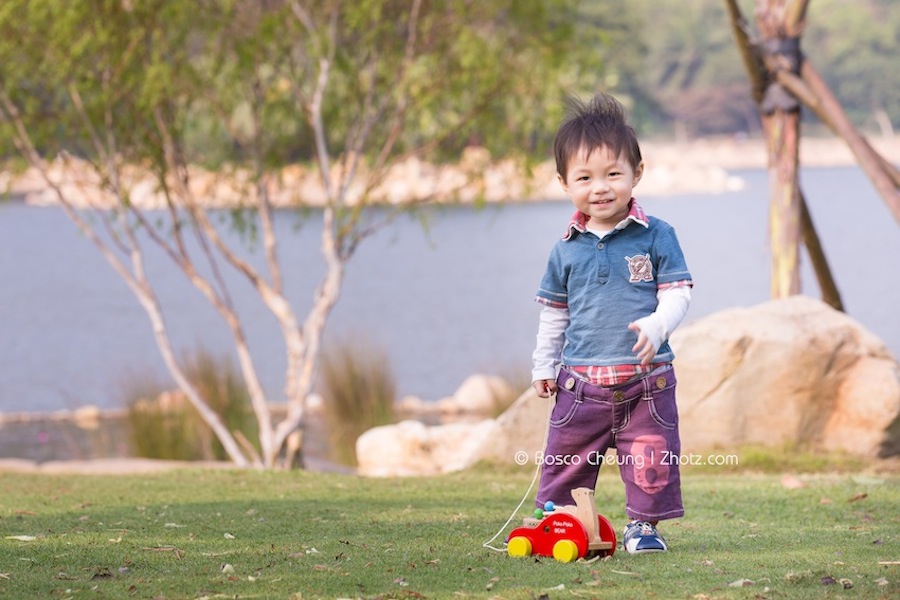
[(564, 411)]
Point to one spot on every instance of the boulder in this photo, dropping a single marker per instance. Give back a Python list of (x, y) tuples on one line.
[(87, 417), (415, 406), (413, 448), (478, 394), (786, 371), (519, 432)]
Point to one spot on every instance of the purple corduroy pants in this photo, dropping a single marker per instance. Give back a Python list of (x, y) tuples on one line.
[(639, 419)]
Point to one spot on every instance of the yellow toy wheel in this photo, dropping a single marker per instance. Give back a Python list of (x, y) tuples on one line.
[(519, 546), (565, 551)]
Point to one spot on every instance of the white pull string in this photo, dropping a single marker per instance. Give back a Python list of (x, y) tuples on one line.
[(537, 470)]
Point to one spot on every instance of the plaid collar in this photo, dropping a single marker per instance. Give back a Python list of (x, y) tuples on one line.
[(635, 213)]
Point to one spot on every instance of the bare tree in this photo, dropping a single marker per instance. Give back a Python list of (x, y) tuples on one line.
[(117, 104)]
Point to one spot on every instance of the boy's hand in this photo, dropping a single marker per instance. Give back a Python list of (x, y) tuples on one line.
[(545, 387), (644, 347)]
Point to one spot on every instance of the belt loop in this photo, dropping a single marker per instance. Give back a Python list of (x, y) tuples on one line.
[(645, 383)]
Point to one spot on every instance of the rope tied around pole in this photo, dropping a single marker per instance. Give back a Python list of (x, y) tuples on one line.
[(780, 54)]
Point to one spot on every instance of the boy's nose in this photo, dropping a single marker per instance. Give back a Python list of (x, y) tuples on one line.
[(600, 185)]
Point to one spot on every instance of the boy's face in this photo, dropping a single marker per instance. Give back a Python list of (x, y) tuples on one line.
[(600, 185)]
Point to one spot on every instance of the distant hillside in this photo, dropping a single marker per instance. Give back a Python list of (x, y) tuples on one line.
[(678, 63)]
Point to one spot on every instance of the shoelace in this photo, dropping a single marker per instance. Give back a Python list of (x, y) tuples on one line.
[(644, 527)]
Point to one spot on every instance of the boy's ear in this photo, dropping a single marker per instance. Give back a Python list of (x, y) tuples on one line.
[(562, 182), (638, 173)]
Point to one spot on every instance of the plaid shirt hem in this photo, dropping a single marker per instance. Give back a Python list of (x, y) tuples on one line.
[(612, 375)]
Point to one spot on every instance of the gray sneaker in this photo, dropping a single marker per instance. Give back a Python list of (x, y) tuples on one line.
[(641, 537)]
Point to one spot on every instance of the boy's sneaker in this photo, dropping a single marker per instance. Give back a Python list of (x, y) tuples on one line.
[(640, 537)]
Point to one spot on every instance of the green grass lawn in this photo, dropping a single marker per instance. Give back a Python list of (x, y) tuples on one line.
[(246, 534)]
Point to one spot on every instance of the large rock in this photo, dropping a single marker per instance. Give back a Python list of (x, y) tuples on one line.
[(786, 371), (413, 448), (478, 394), (519, 432)]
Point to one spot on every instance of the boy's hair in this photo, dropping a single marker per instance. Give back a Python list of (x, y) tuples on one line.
[(600, 122)]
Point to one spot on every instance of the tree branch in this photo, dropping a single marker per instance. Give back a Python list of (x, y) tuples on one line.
[(314, 109), (408, 56), (264, 206), (135, 280), (276, 302)]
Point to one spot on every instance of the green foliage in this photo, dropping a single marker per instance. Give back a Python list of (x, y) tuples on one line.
[(200, 533), (690, 73), (159, 423), (235, 80), (854, 46), (359, 392), (165, 425), (677, 67), (120, 60)]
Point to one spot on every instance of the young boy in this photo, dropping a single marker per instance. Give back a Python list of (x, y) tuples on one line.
[(615, 288)]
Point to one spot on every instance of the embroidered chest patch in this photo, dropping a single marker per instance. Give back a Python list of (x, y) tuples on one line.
[(640, 268)]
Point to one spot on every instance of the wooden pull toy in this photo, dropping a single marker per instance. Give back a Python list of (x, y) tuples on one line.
[(566, 533)]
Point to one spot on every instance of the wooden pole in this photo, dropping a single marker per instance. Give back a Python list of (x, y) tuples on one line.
[(867, 158), (816, 96), (780, 23), (827, 285), (766, 64), (749, 56), (782, 131)]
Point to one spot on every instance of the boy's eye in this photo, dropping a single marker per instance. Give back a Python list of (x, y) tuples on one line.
[(615, 174)]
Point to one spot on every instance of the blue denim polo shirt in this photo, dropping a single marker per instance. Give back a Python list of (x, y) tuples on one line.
[(608, 283)]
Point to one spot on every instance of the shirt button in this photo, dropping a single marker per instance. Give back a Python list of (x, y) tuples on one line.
[(600, 246)]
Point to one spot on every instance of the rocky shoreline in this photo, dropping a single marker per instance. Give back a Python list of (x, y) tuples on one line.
[(94, 440), (703, 166)]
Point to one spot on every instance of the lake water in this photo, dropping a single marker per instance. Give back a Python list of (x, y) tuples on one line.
[(443, 301)]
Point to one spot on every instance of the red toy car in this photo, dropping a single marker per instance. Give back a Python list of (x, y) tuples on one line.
[(566, 533)]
